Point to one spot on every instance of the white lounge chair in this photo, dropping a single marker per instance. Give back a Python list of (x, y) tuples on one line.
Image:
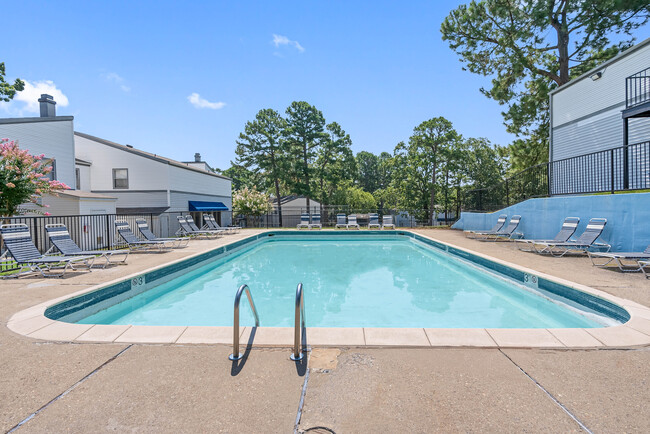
[(501, 221), (507, 233), (387, 222), (63, 242), (315, 222), (585, 242), (626, 261), (341, 221), (352, 222), (566, 232), (178, 242), (304, 221), (373, 221)]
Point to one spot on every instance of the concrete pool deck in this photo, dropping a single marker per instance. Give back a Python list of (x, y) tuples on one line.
[(74, 387)]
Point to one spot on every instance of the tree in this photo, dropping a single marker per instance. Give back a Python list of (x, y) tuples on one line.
[(261, 149), (250, 202), (368, 171), (354, 197), (416, 168), (304, 134), (23, 178), (8, 91), (334, 162), (531, 47), (241, 177)]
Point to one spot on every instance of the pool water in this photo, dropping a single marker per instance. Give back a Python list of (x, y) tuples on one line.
[(348, 282)]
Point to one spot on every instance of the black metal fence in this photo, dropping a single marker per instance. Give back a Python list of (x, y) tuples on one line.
[(637, 88), (609, 171)]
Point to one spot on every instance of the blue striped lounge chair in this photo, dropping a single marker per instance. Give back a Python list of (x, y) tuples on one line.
[(211, 223), (195, 228), (315, 222), (341, 221), (626, 261), (507, 233), (63, 242), (567, 230), (501, 221), (304, 221), (187, 230), (582, 244), (352, 222), (373, 221), (22, 249), (124, 231), (387, 222), (145, 231)]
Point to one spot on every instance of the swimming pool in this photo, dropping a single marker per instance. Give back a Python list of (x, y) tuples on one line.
[(364, 279)]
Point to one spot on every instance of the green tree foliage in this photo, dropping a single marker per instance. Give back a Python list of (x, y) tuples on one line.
[(531, 47), (7, 90), (304, 134), (355, 198), (262, 150), (334, 162), (373, 170), (416, 167), (241, 177)]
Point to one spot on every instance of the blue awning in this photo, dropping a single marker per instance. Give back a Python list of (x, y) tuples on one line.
[(196, 205)]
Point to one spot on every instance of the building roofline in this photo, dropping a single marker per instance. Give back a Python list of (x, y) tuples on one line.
[(148, 155), (605, 64), (35, 119)]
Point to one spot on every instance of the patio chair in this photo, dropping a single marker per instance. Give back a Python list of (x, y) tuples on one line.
[(507, 233), (124, 231), (387, 222), (175, 243), (642, 267), (22, 249), (315, 222), (190, 229), (373, 221), (341, 221), (211, 223), (626, 261), (61, 240), (501, 221), (566, 232), (352, 222), (585, 242), (304, 221)]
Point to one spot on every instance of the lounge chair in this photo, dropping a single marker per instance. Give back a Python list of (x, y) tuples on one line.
[(187, 230), (211, 223), (124, 230), (387, 222), (175, 243), (501, 221), (341, 221), (61, 240), (304, 221), (626, 261), (195, 228), (642, 267), (21, 248), (506, 233), (352, 222), (566, 232), (373, 221), (315, 222), (586, 241)]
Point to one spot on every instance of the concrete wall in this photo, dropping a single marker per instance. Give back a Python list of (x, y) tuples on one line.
[(52, 137), (627, 217)]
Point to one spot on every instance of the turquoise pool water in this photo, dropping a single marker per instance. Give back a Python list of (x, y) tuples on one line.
[(348, 282)]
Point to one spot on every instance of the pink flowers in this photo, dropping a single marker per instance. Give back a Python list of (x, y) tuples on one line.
[(10, 185)]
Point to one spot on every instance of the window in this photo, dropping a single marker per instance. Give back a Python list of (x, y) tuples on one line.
[(77, 174), (120, 178), (50, 162)]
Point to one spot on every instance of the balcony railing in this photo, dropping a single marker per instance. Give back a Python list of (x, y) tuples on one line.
[(637, 89)]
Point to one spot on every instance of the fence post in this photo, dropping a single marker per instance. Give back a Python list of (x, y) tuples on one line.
[(108, 232), (507, 194), (611, 165), (626, 178)]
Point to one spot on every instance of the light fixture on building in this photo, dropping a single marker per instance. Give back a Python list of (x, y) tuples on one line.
[(596, 76)]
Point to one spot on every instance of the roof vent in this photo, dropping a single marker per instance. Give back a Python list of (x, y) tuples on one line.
[(197, 158), (129, 146), (48, 106)]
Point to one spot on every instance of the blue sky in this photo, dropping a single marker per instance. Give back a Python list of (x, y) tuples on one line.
[(175, 78)]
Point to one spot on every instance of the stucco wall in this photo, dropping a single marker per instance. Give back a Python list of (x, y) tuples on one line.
[(627, 217)]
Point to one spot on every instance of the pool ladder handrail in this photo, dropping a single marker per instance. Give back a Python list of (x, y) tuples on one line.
[(299, 321), (236, 355)]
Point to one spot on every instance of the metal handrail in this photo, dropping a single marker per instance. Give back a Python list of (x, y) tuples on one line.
[(236, 355), (299, 321)]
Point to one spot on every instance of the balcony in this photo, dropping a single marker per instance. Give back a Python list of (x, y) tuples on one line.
[(637, 95)]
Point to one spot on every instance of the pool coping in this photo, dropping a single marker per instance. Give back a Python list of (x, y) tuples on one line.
[(33, 323)]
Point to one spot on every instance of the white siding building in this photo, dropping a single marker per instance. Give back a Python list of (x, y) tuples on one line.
[(148, 183), (586, 112)]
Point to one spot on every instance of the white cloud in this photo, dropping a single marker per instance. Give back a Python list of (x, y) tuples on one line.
[(31, 94), (198, 102), (283, 40), (117, 79)]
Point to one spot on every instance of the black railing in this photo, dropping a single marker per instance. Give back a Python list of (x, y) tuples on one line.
[(609, 171), (637, 88)]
